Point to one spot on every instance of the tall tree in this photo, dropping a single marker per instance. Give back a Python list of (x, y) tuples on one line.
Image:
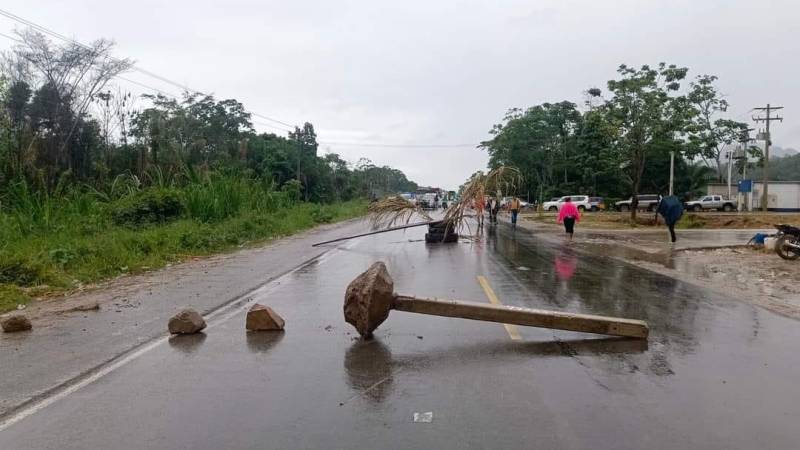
[(540, 142), (709, 134), (645, 110), (64, 80), (306, 140)]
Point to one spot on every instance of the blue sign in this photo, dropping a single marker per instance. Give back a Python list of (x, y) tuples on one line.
[(745, 186)]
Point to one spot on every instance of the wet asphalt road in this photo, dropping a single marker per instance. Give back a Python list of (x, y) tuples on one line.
[(715, 373)]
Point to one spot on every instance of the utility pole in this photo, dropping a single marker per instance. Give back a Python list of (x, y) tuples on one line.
[(767, 142), (730, 170)]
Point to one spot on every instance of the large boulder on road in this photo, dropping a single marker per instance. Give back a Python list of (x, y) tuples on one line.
[(15, 322), (187, 321), (263, 318)]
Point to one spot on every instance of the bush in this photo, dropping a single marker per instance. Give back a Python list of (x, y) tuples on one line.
[(150, 206), (292, 189), (11, 296), (320, 215), (19, 272)]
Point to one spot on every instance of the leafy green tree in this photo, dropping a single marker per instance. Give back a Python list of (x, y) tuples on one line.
[(709, 136), (645, 111), (540, 142)]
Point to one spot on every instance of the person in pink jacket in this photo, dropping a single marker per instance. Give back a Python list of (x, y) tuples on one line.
[(569, 216)]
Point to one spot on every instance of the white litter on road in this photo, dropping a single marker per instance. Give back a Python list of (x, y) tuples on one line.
[(522, 268), (426, 417)]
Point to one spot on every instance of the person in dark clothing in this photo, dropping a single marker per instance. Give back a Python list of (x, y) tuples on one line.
[(495, 208), (671, 209)]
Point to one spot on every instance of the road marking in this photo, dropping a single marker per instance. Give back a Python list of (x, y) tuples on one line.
[(215, 318), (512, 330)]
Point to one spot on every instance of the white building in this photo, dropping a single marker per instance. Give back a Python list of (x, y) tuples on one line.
[(784, 196)]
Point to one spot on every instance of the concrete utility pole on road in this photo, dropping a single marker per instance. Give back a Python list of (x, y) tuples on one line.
[(767, 142)]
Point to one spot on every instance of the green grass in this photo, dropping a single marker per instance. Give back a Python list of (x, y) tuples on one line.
[(11, 296), (52, 245)]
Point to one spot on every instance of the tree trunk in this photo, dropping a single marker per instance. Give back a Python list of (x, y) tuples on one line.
[(638, 171)]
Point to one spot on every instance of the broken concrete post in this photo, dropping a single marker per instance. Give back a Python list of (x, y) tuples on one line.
[(15, 323), (370, 298), (187, 321), (263, 318)]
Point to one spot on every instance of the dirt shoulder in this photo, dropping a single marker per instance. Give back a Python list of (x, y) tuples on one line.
[(607, 220)]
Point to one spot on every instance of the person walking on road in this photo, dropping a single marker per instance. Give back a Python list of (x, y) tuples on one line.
[(477, 205), (514, 206), (671, 209), (494, 207), (569, 216)]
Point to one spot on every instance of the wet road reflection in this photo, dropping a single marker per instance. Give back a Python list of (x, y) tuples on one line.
[(263, 341), (187, 343), (369, 368)]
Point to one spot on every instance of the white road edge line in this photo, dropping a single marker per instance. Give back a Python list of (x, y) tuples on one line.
[(236, 306)]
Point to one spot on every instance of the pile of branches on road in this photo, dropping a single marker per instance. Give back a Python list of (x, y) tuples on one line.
[(503, 179), (393, 211)]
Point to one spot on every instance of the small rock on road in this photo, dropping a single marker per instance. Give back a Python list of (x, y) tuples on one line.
[(187, 321), (15, 323), (263, 318)]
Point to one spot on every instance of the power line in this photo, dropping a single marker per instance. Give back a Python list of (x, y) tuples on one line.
[(134, 67), (155, 89), (195, 91), (164, 93), (368, 144)]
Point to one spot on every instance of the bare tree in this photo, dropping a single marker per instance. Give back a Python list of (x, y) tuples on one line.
[(70, 75)]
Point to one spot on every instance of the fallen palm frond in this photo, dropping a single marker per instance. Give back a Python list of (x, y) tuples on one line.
[(472, 199), (498, 182), (392, 211), (502, 181)]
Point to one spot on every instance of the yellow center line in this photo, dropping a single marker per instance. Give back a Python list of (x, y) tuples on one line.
[(512, 330)]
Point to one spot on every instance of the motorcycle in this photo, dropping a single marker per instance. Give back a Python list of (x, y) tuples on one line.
[(787, 245)]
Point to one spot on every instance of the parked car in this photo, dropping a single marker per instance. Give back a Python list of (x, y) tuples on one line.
[(581, 201), (648, 202), (711, 202), (596, 203)]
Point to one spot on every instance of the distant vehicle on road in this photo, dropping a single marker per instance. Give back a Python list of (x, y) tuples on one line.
[(581, 201), (596, 203), (646, 201), (427, 201), (711, 202)]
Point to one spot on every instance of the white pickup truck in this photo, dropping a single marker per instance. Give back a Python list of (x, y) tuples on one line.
[(711, 202)]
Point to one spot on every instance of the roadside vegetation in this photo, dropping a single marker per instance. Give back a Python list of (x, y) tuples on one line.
[(619, 144), (62, 242), (96, 182)]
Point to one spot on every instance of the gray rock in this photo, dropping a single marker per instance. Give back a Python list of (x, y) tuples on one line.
[(15, 322), (187, 321), (263, 318)]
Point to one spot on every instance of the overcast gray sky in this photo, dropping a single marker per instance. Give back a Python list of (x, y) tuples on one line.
[(434, 72)]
